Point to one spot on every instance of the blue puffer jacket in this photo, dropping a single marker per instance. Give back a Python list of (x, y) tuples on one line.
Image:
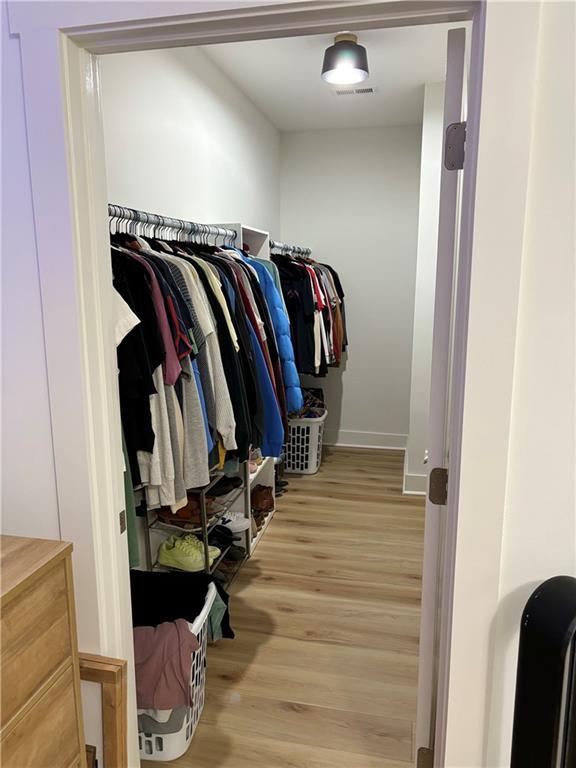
[(281, 323)]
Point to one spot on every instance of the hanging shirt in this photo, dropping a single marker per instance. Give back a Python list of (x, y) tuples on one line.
[(250, 377), (231, 363), (125, 321), (212, 368), (299, 298), (124, 318), (139, 354), (171, 364)]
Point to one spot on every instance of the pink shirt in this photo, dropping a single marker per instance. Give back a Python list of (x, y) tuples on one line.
[(171, 365), (163, 660), (320, 301)]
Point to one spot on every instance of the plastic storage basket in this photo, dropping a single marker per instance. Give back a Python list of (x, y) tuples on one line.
[(169, 746), (303, 452)]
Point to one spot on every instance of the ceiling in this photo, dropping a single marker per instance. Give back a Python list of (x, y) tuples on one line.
[(282, 77)]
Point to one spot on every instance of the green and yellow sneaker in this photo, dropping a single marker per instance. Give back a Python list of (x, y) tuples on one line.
[(213, 552), (180, 554)]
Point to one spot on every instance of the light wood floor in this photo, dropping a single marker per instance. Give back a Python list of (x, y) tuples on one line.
[(323, 670)]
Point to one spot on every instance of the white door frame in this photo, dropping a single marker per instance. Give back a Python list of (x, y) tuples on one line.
[(69, 198)]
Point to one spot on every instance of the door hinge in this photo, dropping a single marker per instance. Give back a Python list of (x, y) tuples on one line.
[(438, 486), (122, 521), (454, 146), (425, 758)]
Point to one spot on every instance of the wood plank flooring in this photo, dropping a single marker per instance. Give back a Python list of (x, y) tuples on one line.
[(323, 670)]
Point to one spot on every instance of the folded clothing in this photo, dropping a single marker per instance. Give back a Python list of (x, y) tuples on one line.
[(159, 596), (163, 661), (147, 722)]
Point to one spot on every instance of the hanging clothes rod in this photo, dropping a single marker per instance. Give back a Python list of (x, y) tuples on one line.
[(182, 227), (289, 249)]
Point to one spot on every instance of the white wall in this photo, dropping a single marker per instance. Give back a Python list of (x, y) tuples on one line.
[(182, 140), (539, 538), (29, 504), (352, 197), (517, 505), (430, 167), (498, 247)]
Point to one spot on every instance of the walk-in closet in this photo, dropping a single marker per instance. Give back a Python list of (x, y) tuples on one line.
[(273, 220)]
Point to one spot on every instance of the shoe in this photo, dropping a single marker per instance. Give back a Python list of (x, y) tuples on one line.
[(235, 554), (213, 552), (177, 553), (169, 519), (281, 483), (183, 519), (228, 568), (261, 498), (225, 485), (190, 513), (259, 518), (222, 535), (220, 540), (279, 492), (256, 456), (236, 521)]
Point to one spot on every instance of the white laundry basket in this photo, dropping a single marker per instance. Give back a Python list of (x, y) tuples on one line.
[(303, 451), (169, 746)]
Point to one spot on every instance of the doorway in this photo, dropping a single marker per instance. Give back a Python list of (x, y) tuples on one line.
[(327, 145), (101, 240)]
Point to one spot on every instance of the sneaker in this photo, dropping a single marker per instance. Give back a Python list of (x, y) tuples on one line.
[(222, 536), (236, 521), (213, 552), (180, 554)]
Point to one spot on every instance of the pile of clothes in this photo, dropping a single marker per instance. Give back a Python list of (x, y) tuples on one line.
[(163, 607)]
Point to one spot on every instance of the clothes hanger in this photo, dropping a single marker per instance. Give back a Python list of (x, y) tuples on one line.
[(112, 221)]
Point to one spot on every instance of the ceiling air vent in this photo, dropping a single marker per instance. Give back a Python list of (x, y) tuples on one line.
[(354, 91)]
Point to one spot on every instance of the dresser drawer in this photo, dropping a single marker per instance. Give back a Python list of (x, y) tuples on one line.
[(36, 639), (47, 735)]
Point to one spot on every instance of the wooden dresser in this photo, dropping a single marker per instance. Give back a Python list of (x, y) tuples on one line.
[(41, 710)]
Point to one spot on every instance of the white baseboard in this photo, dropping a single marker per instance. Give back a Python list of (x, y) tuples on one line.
[(347, 438), (415, 485)]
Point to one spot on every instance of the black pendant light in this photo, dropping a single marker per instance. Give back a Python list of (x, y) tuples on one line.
[(345, 62)]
